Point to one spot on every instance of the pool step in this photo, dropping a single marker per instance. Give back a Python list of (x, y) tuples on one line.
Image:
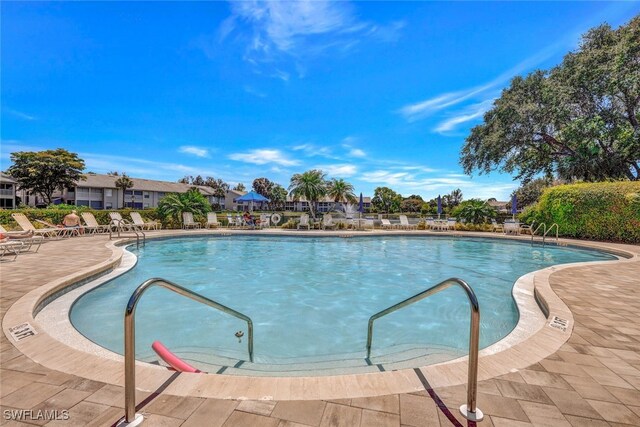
[(403, 357)]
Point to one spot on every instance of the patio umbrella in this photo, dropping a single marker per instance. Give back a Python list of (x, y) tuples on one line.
[(361, 204), (439, 206), (514, 206), (252, 197)]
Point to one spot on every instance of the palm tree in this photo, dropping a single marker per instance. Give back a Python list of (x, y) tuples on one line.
[(341, 191), (124, 183), (174, 204), (309, 185)]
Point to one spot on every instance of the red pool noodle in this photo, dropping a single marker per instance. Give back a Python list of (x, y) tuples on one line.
[(174, 361)]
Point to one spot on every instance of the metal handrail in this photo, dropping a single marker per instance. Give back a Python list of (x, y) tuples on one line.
[(549, 230), (130, 335), (469, 411), (121, 224), (544, 231)]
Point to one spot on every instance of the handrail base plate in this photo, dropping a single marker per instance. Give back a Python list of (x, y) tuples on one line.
[(472, 416), (136, 421)]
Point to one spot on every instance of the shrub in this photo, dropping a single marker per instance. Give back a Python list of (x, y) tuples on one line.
[(474, 211), (599, 211)]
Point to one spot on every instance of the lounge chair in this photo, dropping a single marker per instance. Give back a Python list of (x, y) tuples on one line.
[(120, 223), (265, 221), (212, 220), (304, 222), (386, 224), (8, 247), (496, 227), (188, 222), (404, 223), (92, 226), (28, 238), (149, 225), (26, 225), (451, 223), (327, 222), (65, 231), (511, 227)]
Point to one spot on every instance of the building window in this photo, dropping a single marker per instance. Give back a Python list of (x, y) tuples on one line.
[(6, 203), (96, 204), (137, 192), (96, 191), (82, 203), (108, 205), (128, 192), (108, 192)]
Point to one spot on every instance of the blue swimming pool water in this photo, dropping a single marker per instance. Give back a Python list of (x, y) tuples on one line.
[(312, 297)]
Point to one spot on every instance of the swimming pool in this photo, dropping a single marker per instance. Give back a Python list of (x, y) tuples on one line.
[(310, 298)]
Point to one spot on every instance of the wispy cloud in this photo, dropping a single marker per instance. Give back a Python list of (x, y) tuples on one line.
[(313, 150), (348, 144), (251, 91), (296, 30), (425, 108), (263, 156), (471, 112), (195, 151), (339, 170), (19, 114)]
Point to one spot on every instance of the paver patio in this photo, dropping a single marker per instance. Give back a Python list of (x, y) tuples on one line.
[(593, 380)]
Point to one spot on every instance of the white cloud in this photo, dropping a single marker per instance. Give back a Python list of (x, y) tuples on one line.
[(342, 171), (251, 91), (196, 151), (422, 109), (470, 113), (357, 152), (313, 150), (295, 30), (263, 156), (19, 114)]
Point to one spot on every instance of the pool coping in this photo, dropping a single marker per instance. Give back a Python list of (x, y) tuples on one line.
[(542, 340)]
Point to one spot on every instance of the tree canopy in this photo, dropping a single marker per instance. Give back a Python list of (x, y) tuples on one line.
[(386, 200), (579, 120), (44, 172), (341, 191), (310, 185)]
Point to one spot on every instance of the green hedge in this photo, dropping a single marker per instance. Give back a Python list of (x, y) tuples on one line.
[(599, 211)]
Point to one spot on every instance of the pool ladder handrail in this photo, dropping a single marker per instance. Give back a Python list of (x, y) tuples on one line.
[(545, 231), (130, 336), (124, 225), (469, 411)]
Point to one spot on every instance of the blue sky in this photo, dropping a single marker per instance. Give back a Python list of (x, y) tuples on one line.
[(381, 94)]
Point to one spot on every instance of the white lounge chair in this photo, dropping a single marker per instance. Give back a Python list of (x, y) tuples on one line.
[(8, 247), (496, 227), (386, 224), (118, 222), (304, 222), (265, 221), (327, 222), (148, 225), (26, 225), (511, 227), (188, 222), (212, 220), (27, 237), (91, 224), (404, 223)]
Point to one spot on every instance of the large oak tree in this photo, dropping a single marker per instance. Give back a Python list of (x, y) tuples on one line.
[(579, 120)]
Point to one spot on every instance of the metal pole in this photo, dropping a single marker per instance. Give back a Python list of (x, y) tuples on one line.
[(469, 411), (131, 418)]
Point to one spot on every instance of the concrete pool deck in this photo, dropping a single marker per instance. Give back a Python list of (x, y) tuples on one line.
[(592, 378)]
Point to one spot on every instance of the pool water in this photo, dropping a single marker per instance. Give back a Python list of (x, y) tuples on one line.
[(310, 298)]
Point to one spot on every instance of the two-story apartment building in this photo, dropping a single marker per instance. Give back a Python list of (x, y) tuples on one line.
[(100, 192), (7, 191)]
